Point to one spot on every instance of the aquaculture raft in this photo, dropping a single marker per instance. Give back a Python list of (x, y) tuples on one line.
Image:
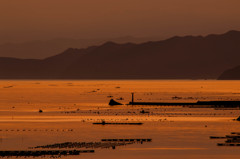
[(232, 140), (105, 123)]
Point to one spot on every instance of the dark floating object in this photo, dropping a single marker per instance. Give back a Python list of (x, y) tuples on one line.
[(238, 119), (233, 136), (143, 112), (113, 102), (43, 153), (232, 140), (40, 111), (121, 98), (105, 123), (8, 87), (176, 97)]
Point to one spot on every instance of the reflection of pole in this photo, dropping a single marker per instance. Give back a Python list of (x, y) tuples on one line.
[(132, 97)]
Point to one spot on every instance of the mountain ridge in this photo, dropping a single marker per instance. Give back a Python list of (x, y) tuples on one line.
[(230, 74), (188, 57), (40, 49)]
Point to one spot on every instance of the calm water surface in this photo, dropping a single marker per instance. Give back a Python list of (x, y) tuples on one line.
[(73, 105)]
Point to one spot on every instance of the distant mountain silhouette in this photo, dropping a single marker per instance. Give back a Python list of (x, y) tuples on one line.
[(186, 57), (231, 74), (42, 49)]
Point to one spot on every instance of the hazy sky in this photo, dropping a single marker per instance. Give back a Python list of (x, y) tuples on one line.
[(22, 20)]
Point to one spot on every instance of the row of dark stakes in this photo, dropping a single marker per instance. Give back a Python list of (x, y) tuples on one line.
[(231, 140), (42, 153), (36, 130), (105, 143)]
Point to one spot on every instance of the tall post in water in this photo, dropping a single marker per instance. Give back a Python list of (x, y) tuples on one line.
[(132, 98)]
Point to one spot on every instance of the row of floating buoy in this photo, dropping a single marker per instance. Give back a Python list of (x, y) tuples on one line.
[(106, 143), (111, 123), (127, 140), (194, 114), (150, 113), (122, 123), (43, 153), (80, 145), (228, 144), (217, 137), (36, 130)]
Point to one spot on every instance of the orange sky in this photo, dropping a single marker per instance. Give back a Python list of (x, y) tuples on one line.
[(23, 20)]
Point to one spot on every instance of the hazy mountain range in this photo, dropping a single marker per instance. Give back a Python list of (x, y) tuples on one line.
[(189, 57), (42, 49), (231, 74)]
